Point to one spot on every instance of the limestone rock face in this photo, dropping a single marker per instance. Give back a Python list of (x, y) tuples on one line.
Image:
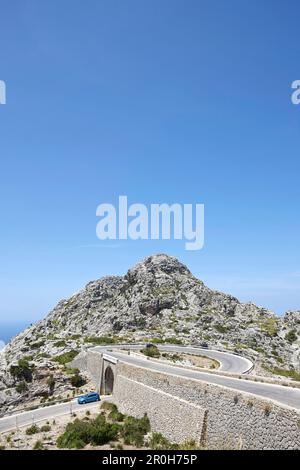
[(157, 298), (292, 319)]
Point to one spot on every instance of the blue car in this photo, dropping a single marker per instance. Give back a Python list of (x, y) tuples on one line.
[(88, 398)]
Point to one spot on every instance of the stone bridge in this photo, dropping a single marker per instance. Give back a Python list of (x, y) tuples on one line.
[(182, 408), (101, 367)]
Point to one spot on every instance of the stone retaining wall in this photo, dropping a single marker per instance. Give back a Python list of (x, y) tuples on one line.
[(183, 408), (176, 418), (91, 362), (219, 417)]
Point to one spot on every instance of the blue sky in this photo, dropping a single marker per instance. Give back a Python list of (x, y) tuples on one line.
[(163, 101)]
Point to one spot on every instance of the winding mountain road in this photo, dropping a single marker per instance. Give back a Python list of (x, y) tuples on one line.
[(283, 395), (232, 363), (228, 362), (27, 418)]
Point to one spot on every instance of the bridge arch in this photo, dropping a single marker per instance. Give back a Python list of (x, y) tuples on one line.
[(109, 379)]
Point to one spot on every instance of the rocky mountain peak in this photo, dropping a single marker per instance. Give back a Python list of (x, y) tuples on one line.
[(160, 298), (157, 265)]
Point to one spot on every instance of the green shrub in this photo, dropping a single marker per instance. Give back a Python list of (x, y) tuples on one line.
[(171, 357), (99, 431), (134, 430), (22, 387), (38, 445), (60, 344), (173, 340), (37, 345), (114, 414), (267, 410), (34, 429), (74, 337), (75, 436), (102, 431), (117, 416), (66, 357), (31, 408), (157, 340), (80, 433), (260, 350), (22, 371), (269, 326), (52, 337), (28, 358), (241, 346), (285, 373), (45, 428), (71, 370), (77, 380), (160, 442), (43, 355), (100, 340), (221, 328), (188, 445), (291, 336), (108, 406), (51, 383), (151, 351)]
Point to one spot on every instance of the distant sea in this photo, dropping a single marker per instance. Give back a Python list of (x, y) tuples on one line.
[(9, 330)]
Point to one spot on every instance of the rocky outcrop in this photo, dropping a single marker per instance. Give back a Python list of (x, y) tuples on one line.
[(160, 298), (292, 319)]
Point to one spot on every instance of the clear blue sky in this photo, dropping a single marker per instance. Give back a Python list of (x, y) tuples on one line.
[(164, 101)]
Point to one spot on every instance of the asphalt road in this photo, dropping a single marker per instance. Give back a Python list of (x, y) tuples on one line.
[(283, 395), (27, 418), (228, 362)]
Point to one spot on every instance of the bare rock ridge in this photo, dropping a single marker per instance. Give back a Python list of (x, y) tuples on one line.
[(159, 299)]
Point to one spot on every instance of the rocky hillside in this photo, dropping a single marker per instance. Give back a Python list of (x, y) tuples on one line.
[(158, 299)]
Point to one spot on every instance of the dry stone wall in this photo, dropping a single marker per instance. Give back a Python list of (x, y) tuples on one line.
[(182, 408), (218, 417), (176, 418)]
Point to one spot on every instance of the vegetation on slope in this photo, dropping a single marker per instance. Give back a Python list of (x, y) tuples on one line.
[(118, 429)]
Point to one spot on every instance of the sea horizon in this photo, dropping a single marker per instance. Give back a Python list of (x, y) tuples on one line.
[(10, 329)]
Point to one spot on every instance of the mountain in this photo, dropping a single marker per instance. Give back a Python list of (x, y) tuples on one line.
[(158, 299)]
